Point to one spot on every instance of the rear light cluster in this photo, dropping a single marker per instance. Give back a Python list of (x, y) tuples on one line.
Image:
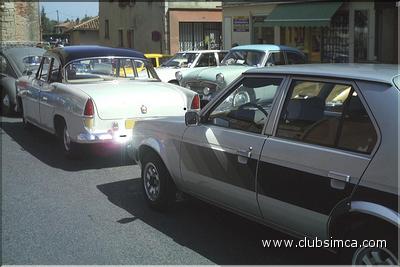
[(89, 108), (195, 102)]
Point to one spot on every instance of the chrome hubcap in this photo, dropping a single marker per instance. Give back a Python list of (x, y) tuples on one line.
[(67, 139), (374, 256), (6, 101), (151, 181)]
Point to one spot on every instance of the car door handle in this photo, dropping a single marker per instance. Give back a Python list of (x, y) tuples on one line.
[(44, 98), (244, 155), (339, 176), (338, 180)]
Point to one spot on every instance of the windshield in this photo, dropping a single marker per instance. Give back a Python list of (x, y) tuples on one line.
[(31, 63), (244, 57), (105, 69), (181, 60)]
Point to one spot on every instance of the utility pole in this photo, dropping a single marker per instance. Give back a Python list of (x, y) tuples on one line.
[(58, 19)]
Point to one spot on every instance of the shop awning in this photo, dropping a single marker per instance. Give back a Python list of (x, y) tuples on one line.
[(302, 15)]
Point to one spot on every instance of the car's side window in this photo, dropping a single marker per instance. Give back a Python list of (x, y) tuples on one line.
[(221, 56), (295, 58), (206, 59), (247, 107), (276, 58), (44, 69), (327, 114), (6, 68), (55, 73)]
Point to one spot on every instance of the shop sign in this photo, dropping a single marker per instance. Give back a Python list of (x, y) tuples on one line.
[(241, 24)]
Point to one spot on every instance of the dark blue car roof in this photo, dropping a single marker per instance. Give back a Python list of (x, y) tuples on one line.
[(71, 53)]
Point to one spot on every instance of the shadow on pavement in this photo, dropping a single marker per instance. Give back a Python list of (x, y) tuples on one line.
[(47, 148), (218, 235)]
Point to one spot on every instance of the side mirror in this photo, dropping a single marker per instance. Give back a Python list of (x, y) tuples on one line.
[(192, 118)]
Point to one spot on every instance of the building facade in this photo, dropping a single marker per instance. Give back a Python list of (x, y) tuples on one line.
[(19, 21), (161, 26), (325, 31), (85, 33)]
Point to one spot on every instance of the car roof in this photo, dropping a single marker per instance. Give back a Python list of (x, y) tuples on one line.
[(264, 47), (201, 51), (384, 73), (71, 53)]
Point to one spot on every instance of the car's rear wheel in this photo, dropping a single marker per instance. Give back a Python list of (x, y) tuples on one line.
[(71, 149), (159, 189), (6, 105), (374, 256)]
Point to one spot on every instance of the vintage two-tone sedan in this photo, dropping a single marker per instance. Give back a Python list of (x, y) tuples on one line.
[(94, 94), (310, 150), (207, 82)]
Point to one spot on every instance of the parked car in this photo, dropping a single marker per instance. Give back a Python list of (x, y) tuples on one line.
[(208, 81), (310, 150), (189, 60), (157, 59), (89, 94), (16, 61)]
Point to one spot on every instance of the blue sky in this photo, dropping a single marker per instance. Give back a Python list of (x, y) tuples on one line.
[(69, 10)]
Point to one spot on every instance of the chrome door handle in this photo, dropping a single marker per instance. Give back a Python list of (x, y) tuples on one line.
[(339, 176), (338, 180), (44, 98), (244, 155)]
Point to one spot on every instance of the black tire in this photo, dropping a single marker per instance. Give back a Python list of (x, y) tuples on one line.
[(27, 125), (371, 255), (375, 256), (158, 188), (6, 105), (71, 149)]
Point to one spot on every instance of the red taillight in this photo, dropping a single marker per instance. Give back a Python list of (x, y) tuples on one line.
[(89, 108), (196, 102)]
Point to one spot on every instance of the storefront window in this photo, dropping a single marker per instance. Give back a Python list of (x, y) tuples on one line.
[(262, 34), (335, 40), (360, 35)]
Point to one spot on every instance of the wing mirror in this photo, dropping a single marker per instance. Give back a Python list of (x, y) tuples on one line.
[(192, 118)]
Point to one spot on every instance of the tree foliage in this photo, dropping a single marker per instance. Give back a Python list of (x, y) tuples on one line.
[(47, 24)]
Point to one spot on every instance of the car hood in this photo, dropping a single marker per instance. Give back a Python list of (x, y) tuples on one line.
[(167, 74), (135, 99), (208, 74)]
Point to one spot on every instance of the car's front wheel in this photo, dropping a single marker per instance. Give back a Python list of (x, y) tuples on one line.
[(159, 189)]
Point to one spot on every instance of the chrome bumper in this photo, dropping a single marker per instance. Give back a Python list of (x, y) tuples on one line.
[(103, 137)]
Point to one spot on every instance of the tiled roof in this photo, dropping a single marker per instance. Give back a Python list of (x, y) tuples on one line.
[(67, 24), (89, 25)]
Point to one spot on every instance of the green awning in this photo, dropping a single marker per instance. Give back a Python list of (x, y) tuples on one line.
[(303, 14)]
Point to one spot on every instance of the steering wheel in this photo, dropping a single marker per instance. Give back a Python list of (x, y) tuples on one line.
[(250, 104)]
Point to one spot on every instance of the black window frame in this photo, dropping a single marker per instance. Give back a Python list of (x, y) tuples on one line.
[(344, 81), (205, 113)]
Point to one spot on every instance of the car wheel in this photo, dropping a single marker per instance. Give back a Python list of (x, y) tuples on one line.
[(159, 189), (27, 125), (374, 256), (6, 105), (71, 149)]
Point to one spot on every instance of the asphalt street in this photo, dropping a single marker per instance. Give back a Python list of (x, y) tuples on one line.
[(92, 211)]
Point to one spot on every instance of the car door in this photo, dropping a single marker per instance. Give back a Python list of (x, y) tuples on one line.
[(219, 156), (315, 154), (31, 96), (47, 95)]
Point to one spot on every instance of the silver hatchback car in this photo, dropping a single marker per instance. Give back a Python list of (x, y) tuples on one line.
[(311, 150)]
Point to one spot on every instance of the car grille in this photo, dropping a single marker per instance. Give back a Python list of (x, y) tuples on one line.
[(198, 86)]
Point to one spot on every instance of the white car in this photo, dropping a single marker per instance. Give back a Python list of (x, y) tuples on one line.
[(189, 60), (94, 94)]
